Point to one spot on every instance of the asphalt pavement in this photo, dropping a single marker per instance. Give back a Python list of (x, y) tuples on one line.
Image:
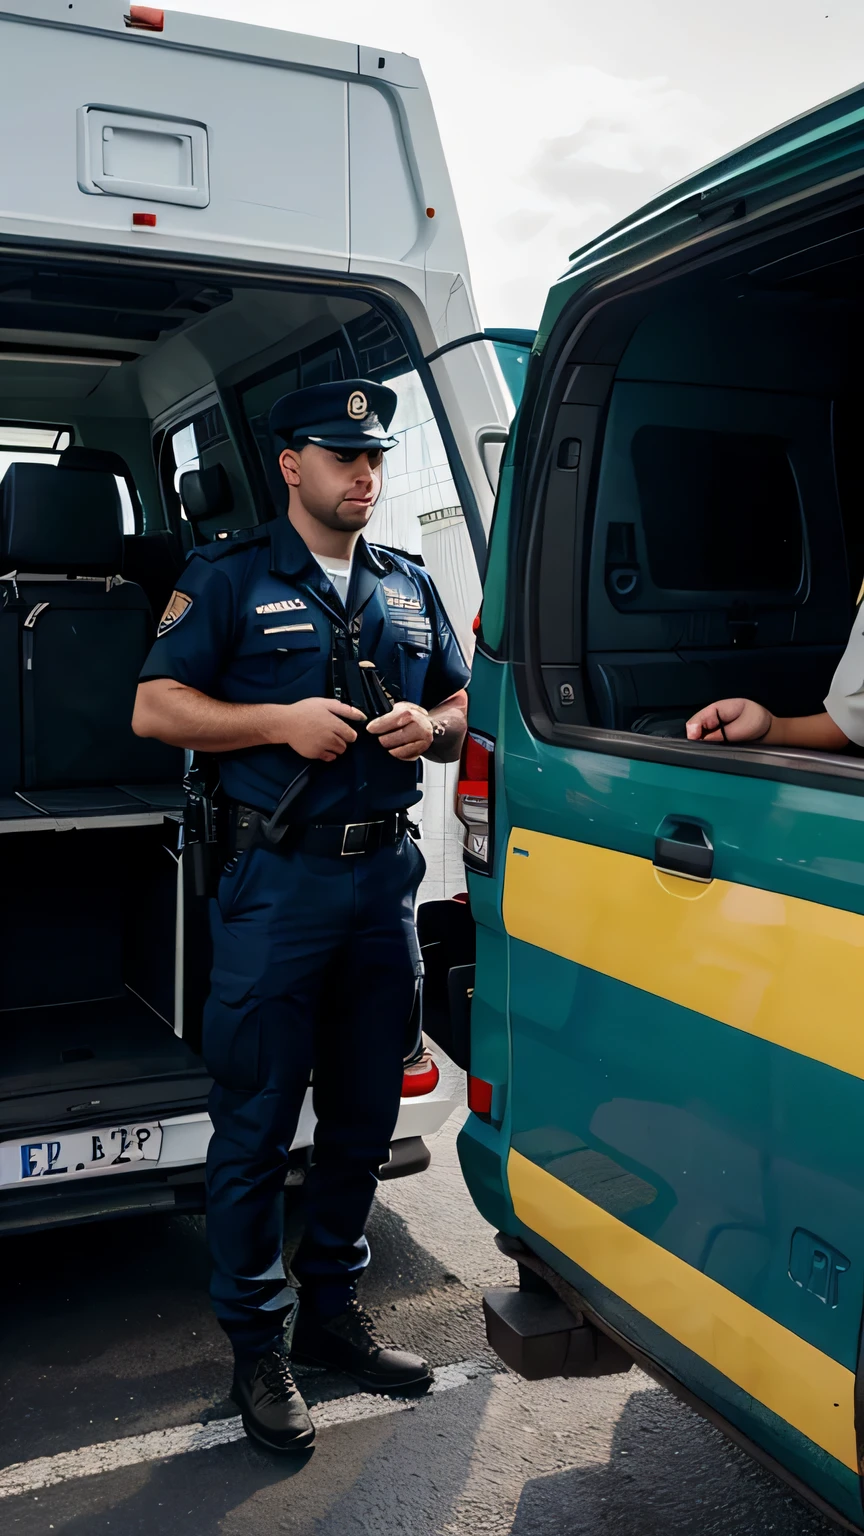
[(114, 1416)]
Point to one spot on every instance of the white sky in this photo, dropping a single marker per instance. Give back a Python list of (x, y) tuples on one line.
[(560, 116)]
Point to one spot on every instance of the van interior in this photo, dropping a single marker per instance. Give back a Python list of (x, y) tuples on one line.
[(133, 426), (722, 548)]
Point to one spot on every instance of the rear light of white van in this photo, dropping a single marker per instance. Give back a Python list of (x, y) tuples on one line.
[(146, 18), (474, 801), (421, 1077)]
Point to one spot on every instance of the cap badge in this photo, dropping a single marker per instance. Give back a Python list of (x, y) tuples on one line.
[(358, 405)]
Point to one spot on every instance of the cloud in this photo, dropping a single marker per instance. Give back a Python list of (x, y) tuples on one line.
[(626, 141), (524, 224), (586, 148)]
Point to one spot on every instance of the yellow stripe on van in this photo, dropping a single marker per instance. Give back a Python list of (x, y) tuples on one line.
[(789, 1376), (788, 970)]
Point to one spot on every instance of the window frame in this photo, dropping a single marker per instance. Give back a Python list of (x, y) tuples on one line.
[(630, 290)]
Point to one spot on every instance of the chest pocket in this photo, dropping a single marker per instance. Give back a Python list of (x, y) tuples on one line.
[(297, 654), (415, 654), (278, 657)]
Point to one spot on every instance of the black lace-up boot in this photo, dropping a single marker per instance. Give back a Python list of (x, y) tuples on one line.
[(271, 1407), (349, 1343)]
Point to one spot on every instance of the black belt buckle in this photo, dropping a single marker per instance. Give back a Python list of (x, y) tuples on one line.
[(355, 837)]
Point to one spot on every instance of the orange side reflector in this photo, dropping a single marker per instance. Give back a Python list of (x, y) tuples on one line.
[(479, 1096)]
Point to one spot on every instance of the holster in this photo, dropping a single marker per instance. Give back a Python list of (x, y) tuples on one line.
[(205, 824)]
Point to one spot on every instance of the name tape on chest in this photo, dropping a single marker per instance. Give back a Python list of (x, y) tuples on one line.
[(178, 607), (411, 625), (398, 600), (288, 605)]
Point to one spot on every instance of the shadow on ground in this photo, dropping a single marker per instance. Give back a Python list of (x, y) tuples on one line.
[(106, 1329), (375, 1478), (668, 1471)]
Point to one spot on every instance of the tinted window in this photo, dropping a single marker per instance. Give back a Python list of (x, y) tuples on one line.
[(513, 360), (720, 510)]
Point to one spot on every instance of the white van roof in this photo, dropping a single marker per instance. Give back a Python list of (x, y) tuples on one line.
[(227, 141)]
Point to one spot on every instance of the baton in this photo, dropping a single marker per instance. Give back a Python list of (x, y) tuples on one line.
[(379, 701)]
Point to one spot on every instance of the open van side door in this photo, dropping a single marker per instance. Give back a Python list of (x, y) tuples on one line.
[(682, 935)]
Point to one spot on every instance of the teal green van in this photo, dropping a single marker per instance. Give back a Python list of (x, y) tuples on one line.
[(666, 1041)]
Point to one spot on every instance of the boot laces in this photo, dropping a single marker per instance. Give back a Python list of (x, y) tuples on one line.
[(357, 1328), (276, 1377)]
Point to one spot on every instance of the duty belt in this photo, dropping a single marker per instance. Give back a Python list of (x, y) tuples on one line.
[(331, 841)]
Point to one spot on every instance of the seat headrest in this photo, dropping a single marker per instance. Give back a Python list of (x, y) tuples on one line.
[(206, 493), (94, 458), (64, 521)]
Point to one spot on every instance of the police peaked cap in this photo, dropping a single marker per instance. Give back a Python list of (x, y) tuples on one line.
[(352, 414)]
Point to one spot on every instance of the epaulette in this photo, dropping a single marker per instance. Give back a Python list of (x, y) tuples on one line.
[(244, 538), (398, 557)]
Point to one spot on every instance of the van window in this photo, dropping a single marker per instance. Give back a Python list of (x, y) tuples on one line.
[(693, 543), (40, 438), (720, 510)]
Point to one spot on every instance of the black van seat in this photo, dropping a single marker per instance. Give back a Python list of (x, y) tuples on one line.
[(103, 459), (207, 500), (153, 560), (77, 632)]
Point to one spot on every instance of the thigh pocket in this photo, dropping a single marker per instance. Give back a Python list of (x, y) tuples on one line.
[(232, 1035)]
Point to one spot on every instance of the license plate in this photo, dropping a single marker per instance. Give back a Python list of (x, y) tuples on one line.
[(75, 1154)]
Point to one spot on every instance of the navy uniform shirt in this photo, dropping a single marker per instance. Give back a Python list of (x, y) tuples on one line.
[(250, 623)]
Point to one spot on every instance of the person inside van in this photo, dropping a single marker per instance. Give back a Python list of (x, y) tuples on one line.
[(842, 722)]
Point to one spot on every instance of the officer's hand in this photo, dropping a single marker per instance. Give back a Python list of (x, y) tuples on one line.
[(741, 719), (406, 732), (317, 728)]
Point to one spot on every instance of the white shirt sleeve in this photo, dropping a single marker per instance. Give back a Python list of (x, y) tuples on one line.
[(845, 701)]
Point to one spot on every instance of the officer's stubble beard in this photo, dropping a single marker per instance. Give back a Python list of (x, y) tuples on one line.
[(342, 519)]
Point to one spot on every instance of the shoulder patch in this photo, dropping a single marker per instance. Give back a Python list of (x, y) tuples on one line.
[(178, 606)]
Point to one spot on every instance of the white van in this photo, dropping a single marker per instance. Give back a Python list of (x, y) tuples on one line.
[(195, 217)]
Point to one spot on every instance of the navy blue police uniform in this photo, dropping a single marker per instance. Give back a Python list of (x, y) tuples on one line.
[(315, 959)]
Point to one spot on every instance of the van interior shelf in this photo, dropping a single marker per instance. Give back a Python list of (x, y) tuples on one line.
[(132, 805), (89, 1044)]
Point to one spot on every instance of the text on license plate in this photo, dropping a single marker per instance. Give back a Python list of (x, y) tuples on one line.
[(83, 1152)]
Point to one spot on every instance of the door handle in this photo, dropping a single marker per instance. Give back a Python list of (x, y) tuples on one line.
[(684, 848)]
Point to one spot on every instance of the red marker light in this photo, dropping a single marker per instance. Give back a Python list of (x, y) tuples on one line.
[(479, 1096), (145, 18), (430, 213), (420, 1078), (144, 220)]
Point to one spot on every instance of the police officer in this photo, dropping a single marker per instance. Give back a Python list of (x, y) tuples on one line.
[(259, 659)]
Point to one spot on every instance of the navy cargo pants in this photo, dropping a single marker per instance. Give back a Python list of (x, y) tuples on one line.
[(314, 970)]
